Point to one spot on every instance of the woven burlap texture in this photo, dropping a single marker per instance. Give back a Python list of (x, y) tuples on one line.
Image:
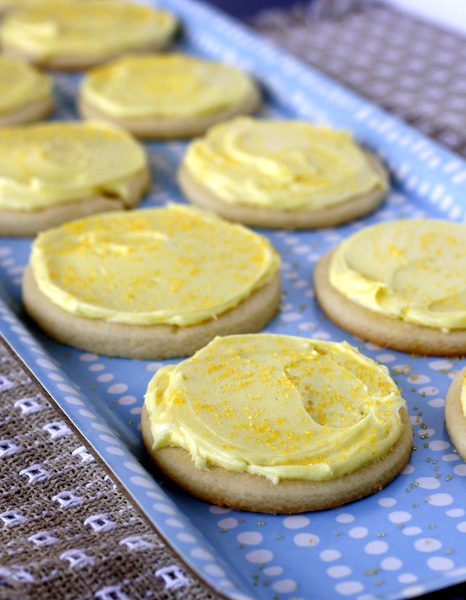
[(410, 67), (66, 531)]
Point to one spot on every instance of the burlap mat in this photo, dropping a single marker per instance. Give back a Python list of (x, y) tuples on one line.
[(410, 67), (66, 531)]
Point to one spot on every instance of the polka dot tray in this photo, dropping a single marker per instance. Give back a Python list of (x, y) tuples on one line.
[(408, 539)]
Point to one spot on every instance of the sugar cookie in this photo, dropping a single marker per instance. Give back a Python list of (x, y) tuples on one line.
[(26, 94), (276, 423), (400, 284), (77, 35), (56, 171), (455, 412), (153, 283), (281, 173), (166, 95)]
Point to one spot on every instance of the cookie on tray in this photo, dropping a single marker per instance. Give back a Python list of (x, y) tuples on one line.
[(56, 171), (282, 174), (455, 412), (26, 94), (400, 284), (151, 283), (78, 35), (167, 95), (277, 424)]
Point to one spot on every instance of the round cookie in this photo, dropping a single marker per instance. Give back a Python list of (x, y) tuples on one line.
[(418, 307), (286, 174), (150, 284), (56, 171), (198, 414), (455, 419), (166, 95), (26, 94), (78, 35)]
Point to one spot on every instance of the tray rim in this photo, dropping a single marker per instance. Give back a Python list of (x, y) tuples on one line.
[(106, 467)]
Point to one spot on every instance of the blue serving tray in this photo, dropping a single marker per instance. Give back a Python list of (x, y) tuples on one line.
[(404, 541)]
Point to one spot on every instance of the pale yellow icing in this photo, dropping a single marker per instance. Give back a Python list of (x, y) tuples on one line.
[(411, 269), (85, 28), (283, 164), (280, 406), (175, 265), (52, 163), (463, 394), (165, 85), (21, 84)]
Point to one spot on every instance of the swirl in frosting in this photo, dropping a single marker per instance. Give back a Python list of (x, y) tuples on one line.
[(280, 406), (283, 164), (21, 84), (412, 269), (47, 164)]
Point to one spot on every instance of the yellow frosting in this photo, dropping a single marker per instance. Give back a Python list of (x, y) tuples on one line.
[(165, 85), (411, 269), (175, 265), (283, 164), (463, 394), (85, 28), (21, 84), (280, 406), (52, 163)]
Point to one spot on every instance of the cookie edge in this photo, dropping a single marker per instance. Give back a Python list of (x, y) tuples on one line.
[(170, 128), (337, 214), (239, 490), (389, 332), (455, 419), (29, 223), (152, 342)]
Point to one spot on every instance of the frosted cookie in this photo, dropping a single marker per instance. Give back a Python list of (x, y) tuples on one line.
[(455, 412), (150, 284), (277, 424), (26, 94), (166, 95), (77, 35), (400, 284), (281, 173), (56, 171)]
